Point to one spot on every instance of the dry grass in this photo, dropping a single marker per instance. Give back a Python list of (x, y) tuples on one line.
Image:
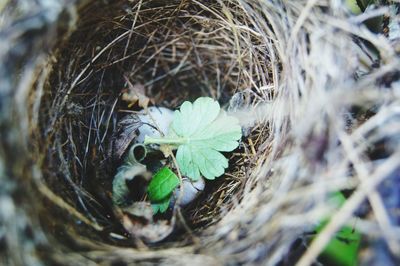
[(317, 108)]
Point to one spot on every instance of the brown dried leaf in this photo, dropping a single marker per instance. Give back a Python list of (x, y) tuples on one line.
[(138, 221), (142, 210), (126, 132), (135, 94)]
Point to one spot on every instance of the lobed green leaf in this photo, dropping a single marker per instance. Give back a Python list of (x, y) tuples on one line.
[(203, 131)]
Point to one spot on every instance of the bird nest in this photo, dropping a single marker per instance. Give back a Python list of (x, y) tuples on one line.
[(317, 108)]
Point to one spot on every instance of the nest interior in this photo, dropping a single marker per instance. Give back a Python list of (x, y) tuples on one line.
[(320, 105), (174, 51)]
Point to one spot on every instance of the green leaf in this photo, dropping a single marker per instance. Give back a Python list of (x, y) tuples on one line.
[(201, 131), (359, 6), (162, 184), (343, 248), (161, 206), (353, 6)]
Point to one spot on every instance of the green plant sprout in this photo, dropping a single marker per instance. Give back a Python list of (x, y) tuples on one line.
[(160, 189), (164, 182), (358, 6), (343, 248), (200, 132)]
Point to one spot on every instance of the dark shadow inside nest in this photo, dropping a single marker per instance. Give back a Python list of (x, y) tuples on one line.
[(174, 52)]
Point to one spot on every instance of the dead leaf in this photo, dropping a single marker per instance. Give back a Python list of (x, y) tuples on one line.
[(142, 210), (138, 221), (126, 132), (136, 94)]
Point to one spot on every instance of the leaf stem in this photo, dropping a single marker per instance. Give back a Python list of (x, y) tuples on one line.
[(171, 141)]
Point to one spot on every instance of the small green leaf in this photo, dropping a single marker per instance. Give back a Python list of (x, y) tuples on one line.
[(343, 248), (359, 6), (201, 131), (353, 6), (161, 206), (162, 184)]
